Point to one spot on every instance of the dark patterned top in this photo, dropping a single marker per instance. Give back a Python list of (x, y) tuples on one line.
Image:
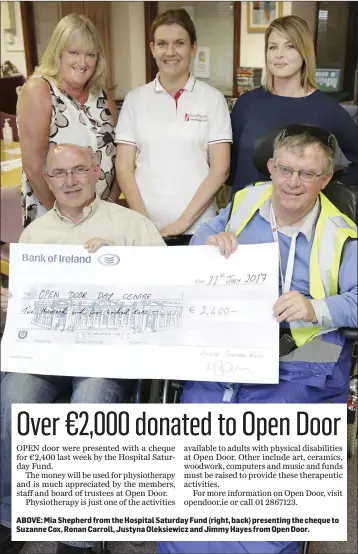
[(89, 125)]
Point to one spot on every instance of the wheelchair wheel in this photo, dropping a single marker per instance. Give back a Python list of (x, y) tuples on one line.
[(141, 391), (156, 391), (352, 437), (305, 547), (165, 391)]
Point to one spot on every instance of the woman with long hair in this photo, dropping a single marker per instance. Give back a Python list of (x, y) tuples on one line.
[(65, 101), (289, 95)]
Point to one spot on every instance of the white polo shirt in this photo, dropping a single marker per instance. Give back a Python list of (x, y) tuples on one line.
[(172, 136)]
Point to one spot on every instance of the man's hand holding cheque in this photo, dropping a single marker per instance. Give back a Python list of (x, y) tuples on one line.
[(290, 306), (92, 245), (316, 259), (79, 217), (226, 242)]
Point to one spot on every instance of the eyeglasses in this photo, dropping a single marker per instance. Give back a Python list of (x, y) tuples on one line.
[(303, 175), (60, 175)]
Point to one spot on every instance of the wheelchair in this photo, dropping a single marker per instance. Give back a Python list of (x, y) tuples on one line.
[(134, 395), (345, 198)]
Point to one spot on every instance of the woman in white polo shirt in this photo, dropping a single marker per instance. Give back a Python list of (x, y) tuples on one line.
[(173, 137)]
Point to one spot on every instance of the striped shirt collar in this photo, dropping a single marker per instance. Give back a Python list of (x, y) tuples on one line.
[(189, 85), (307, 223)]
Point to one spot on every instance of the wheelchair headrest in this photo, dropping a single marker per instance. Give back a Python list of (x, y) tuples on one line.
[(263, 150), (344, 197), (263, 147)]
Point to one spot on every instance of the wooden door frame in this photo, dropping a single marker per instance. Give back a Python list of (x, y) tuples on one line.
[(151, 12), (350, 61), (29, 35), (237, 39), (316, 27)]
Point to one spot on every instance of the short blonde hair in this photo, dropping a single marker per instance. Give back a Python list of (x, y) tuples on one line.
[(68, 28), (296, 30)]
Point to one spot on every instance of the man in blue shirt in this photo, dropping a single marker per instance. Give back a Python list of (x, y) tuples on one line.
[(318, 289)]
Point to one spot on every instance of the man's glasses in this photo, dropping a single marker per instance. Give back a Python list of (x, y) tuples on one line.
[(59, 176), (305, 176)]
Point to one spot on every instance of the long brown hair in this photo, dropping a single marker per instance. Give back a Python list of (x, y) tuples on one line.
[(170, 17)]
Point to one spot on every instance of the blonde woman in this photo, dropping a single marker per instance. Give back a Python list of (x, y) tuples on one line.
[(289, 95), (65, 101)]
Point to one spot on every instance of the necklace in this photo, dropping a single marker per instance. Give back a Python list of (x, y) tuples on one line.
[(81, 99)]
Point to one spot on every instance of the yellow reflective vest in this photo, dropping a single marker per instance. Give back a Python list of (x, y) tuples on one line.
[(332, 230)]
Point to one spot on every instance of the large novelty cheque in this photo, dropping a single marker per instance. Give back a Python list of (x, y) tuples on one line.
[(143, 312)]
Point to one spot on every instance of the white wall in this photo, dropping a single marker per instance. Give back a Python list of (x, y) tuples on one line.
[(252, 47), (137, 43), (17, 57), (128, 46), (121, 59)]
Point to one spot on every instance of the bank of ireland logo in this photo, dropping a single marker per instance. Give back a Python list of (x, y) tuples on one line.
[(22, 334), (109, 259)]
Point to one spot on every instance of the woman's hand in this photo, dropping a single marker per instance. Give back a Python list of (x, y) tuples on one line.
[(174, 229)]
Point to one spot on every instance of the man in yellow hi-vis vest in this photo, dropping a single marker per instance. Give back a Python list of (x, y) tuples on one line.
[(318, 289)]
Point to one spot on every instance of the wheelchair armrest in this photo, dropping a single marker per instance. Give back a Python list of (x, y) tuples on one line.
[(349, 333), (176, 385)]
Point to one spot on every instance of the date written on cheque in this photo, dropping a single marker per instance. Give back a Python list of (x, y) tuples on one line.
[(232, 279)]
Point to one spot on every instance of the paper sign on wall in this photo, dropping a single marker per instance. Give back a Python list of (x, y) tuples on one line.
[(202, 62)]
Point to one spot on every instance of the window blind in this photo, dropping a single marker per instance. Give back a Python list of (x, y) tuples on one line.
[(332, 35), (214, 22)]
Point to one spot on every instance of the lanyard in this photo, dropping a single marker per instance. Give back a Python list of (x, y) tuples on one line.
[(285, 282)]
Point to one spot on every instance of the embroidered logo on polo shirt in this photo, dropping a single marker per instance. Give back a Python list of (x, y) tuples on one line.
[(195, 117)]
